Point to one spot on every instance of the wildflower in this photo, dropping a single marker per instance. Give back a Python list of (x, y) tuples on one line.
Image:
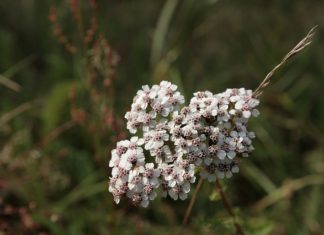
[(209, 134)]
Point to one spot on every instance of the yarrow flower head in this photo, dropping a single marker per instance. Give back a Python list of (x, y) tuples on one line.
[(209, 136), (150, 104)]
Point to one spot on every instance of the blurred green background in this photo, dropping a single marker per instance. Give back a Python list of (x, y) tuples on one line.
[(69, 70)]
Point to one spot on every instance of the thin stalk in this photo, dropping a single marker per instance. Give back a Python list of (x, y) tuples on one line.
[(298, 48), (161, 30), (57, 132), (5, 118), (191, 204), (229, 208), (9, 83)]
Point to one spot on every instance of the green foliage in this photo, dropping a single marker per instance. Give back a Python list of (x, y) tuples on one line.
[(56, 106)]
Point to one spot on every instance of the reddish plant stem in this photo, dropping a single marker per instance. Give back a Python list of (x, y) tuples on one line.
[(228, 208), (192, 202)]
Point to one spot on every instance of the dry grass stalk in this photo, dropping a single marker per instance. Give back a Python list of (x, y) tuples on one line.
[(298, 48), (9, 83), (17, 111), (288, 188)]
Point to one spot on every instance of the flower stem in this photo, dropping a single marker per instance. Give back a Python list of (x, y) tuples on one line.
[(190, 206), (228, 208)]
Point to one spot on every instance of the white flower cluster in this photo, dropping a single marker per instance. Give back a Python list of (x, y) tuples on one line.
[(150, 103), (212, 131), (209, 135)]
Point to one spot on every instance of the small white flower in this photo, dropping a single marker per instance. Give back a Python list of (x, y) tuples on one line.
[(151, 175), (246, 113), (155, 139), (231, 154), (221, 154), (114, 161)]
